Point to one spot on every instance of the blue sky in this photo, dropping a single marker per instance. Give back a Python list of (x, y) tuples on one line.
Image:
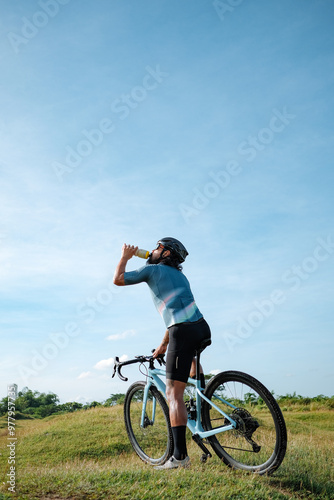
[(130, 121)]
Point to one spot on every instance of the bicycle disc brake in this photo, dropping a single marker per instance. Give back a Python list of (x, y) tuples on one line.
[(147, 422)]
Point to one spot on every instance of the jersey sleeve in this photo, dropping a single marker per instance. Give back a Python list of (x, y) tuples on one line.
[(138, 276)]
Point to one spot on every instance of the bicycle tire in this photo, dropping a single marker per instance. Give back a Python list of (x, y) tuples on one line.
[(260, 423), (153, 443)]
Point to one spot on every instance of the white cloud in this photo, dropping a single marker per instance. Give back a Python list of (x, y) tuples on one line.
[(107, 363), (84, 375), (215, 372), (123, 335), (104, 364)]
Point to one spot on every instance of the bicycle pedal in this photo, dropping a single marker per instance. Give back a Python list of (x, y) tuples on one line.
[(204, 458)]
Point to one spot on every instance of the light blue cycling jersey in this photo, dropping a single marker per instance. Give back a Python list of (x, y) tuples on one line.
[(170, 290)]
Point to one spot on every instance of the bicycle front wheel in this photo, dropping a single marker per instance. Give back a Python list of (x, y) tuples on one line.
[(152, 441), (258, 442)]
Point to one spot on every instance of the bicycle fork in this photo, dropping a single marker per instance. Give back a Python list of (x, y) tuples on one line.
[(145, 420)]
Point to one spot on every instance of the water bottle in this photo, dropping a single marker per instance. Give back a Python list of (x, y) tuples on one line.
[(142, 253)]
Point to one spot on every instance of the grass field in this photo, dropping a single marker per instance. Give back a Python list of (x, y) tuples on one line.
[(86, 455)]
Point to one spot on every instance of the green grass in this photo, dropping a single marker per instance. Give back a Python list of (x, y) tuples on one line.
[(87, 455)]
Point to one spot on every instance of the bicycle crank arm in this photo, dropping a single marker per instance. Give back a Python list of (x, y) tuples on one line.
[(199, 442)]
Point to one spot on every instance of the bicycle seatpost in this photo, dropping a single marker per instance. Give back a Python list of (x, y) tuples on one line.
[(198, 364), (198, 351)]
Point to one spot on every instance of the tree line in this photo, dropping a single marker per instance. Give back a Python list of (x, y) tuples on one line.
[(34, 404), (40, 405)]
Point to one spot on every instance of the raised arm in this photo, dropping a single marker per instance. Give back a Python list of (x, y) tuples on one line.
[(128, 252)]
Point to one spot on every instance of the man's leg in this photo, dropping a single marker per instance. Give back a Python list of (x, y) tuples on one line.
[(178, 417), (193, 372)]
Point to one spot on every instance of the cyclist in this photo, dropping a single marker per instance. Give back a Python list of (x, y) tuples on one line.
[(186, 328)]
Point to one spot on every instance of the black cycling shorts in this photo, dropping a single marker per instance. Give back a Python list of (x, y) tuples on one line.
[(184, 339)]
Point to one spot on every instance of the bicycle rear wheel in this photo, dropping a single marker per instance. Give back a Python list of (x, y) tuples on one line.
[(258, 443), (153, 442)]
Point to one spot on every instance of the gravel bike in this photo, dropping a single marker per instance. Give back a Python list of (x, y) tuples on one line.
[(235, 414)]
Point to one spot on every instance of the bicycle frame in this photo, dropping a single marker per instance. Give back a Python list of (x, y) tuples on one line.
[(273, 441), (195, 426)]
